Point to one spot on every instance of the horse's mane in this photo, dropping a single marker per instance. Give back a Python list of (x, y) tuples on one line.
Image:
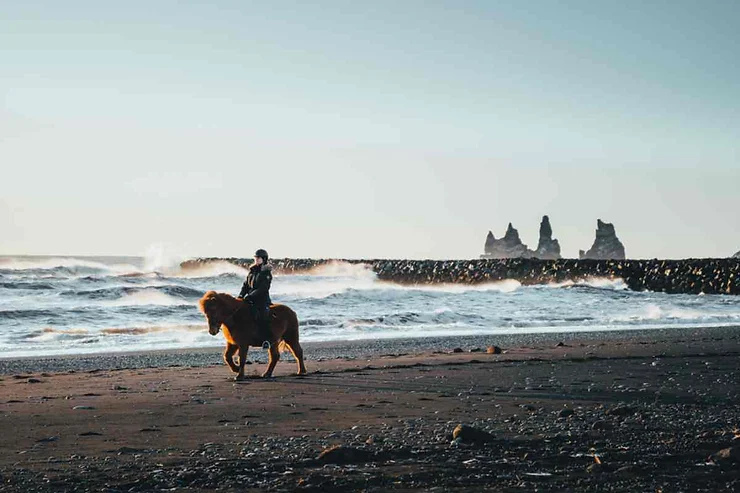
[(210, 296)]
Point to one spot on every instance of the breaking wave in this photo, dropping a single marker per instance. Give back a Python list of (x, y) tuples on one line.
[(136, 292), (67, 264), (211, 269), (147, 297)]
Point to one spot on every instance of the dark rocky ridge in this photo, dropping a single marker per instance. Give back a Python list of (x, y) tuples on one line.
[(693, 276)]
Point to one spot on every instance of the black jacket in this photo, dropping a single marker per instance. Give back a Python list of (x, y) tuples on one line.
[(256, 288)]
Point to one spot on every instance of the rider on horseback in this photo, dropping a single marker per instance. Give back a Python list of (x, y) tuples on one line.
[(256, 292)]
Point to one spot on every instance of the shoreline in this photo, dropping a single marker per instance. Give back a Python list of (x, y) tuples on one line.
[(642, 413), (352, 349)]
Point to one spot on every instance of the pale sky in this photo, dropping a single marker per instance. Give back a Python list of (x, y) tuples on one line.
[(367, 129)]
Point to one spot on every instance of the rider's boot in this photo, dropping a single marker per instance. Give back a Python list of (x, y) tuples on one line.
[(266, 333)]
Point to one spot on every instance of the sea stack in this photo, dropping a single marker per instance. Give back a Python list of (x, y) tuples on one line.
[(547, 248), (606, 245), (510, 246)]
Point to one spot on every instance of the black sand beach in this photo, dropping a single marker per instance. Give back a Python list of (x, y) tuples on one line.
[(614, 411)]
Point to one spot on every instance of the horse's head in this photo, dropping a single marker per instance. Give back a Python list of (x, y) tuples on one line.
[(215, 311)]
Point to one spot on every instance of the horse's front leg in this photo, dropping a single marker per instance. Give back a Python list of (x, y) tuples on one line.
[(229, 357), (242, 361)]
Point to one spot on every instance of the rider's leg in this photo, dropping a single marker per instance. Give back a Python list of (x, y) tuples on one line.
[(266, 319)]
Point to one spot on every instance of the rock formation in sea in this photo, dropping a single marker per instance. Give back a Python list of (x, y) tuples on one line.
[(510, 246), (547, 248), (606, 245)]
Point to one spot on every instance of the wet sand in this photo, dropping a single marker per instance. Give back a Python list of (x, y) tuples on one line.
[(612, 412)]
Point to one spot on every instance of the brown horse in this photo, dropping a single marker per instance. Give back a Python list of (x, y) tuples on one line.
[(219, 309)]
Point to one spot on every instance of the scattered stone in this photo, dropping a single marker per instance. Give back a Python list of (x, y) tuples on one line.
[(471, 435), (564, 413), (83, 408), (340, 454), (129, 450), (47, 440), (601, 425), (33, 380), (90, 434), (730, 455), (457, 350), (493, 350), (621, 410)]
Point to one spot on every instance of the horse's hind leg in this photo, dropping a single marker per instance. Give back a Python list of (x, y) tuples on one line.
[(297, 351), (242, 361), (229, 357), (274, 357)]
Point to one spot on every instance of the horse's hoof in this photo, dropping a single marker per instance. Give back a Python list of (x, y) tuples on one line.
[(266, 375), (239, 378)]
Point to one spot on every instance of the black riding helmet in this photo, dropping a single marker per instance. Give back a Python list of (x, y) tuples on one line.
[(262, 253)]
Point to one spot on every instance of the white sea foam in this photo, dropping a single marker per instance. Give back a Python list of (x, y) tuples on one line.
[(48, 263), (343, 269), (324, 281), (655, 312), (503, 286), (616, 284), (211, 269)]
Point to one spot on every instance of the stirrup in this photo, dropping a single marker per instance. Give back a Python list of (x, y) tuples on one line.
[(266, 345)]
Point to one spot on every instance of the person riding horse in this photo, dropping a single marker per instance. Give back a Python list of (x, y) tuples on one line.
[(256, 292)]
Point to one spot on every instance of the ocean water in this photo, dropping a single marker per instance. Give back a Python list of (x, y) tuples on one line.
[(54, 306)]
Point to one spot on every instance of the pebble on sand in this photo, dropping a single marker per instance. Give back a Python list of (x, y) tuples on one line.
[(469, 434), (340, 454), (730, 455)]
